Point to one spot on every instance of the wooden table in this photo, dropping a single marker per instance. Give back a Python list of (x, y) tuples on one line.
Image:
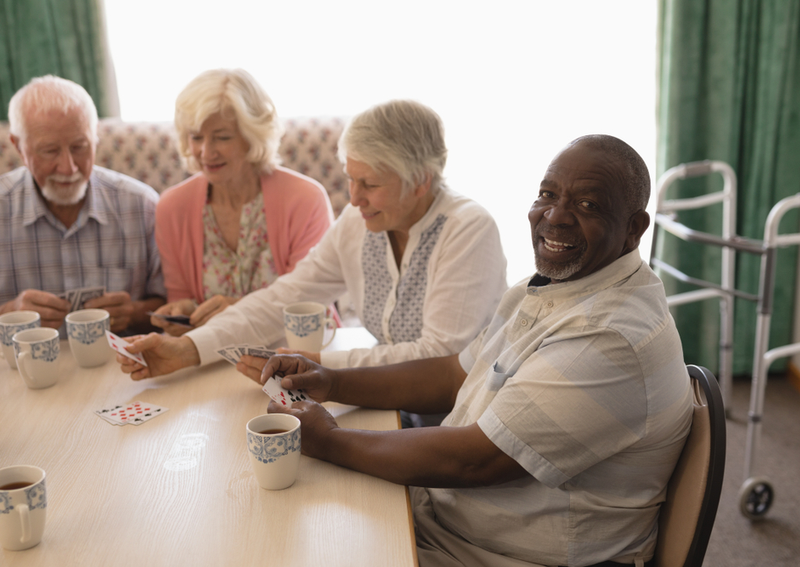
[(178, 489)]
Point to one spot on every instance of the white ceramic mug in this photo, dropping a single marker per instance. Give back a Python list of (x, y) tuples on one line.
[(37, 351), (305, 324), (275, 455), (23, 506), (12, 323), (86, 330)]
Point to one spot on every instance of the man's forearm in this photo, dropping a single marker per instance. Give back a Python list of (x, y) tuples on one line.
[(420, 386)]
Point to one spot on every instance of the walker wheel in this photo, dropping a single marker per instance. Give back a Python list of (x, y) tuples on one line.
[(755, 498)]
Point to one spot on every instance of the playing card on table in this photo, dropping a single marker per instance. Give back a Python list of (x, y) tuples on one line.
[(134, 413), (272, 387), (119, 344)]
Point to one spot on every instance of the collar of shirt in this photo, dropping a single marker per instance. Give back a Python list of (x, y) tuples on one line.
[(620, 269), (36, 208)]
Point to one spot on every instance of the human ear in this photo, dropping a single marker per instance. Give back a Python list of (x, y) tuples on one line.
[(423, 188), (637, 225)]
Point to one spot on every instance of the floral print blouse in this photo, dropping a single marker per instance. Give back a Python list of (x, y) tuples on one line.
[(236, 273)]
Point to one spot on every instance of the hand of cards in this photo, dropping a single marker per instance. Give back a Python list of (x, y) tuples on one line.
[(77, 297), (175, 319), (272, 387), (118, 344)]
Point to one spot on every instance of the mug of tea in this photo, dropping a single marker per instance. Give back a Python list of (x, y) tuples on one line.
[(305, 325), (36, 351), (86, 330), (273, 441), (10, 324), (23, 506)]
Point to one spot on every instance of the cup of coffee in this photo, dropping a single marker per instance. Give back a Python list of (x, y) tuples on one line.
[(86, 330), (273, 441), (36, 351), (23, 506), (10, 324), (305, 324)]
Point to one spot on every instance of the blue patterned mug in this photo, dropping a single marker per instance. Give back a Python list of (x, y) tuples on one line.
[(273, 442), (23, 506), (305, 325), (12, 323), (86, 330), (36, 351)]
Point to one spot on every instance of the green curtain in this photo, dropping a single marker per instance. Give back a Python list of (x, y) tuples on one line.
[(729, 89), (58, 37)]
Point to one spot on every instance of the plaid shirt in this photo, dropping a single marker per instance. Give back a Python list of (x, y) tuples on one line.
[(112, 243)]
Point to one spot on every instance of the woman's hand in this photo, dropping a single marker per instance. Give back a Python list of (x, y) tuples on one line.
[(209, 308), (312, 356), (181, 307)]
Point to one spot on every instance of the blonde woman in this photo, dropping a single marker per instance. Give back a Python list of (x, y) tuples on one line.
[(242, 220)]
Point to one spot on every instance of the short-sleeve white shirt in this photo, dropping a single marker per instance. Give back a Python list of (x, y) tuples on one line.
[(583, 383)]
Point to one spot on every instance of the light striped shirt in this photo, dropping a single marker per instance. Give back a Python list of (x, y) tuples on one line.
[(583, 383), (111, 244)]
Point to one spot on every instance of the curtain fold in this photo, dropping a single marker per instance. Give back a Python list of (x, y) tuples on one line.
[(729, 89), (58, 37)]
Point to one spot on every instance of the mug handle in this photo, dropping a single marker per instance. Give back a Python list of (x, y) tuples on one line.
[(25, 519), (23, 356), (330, 321)]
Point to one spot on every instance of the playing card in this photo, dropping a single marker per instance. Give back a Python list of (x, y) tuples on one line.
[(118, 344), (176, 319), (226, 354), (257, 350), (272, 387), (85, 294), (134, 413)]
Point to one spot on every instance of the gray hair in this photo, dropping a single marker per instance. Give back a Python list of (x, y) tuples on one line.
[(45, 94), (236, 95), (635, 176), (401, 136)]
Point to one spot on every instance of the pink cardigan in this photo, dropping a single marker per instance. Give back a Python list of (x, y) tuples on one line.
[(298, 212)]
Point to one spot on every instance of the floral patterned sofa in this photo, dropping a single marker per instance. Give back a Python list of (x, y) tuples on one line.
[(147, 151)]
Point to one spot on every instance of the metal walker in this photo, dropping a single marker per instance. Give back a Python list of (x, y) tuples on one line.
[(756, 494)]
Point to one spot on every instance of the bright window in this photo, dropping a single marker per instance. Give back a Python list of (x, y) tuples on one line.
[(513, 80)]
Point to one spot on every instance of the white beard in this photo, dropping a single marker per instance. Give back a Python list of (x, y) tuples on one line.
[(67, 195)]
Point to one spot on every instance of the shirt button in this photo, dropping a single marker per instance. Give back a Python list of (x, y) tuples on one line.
[(523, 322), (549, 304)]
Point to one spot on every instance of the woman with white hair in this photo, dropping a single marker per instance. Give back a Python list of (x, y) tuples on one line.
[(242, 220), (422, 264)]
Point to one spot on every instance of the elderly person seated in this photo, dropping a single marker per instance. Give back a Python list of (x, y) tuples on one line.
[(568, 412), (424, 265), (72, 229), (243, 220)]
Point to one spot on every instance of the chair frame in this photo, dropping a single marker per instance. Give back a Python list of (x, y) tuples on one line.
[(707, 394)]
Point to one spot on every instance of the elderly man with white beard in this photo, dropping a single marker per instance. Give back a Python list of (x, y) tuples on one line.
[(68, 224)]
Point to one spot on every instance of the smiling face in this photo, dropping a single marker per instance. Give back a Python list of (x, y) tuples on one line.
[(58, 150), (580, 221), (380, 197), (221, 151)]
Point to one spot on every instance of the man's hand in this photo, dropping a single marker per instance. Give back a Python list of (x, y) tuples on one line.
[(312, 356), (163, 355), (51, 308), (316, 425), (119, 306), (317, 382)]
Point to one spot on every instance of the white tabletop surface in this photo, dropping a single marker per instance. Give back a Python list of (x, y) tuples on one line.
[(178, 489)]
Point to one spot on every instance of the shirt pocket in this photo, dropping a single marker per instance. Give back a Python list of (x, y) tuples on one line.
[(496, 378), (113, 279)]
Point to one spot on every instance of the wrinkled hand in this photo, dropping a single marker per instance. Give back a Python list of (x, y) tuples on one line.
[(298, 372), (180, 307), (209, 308), (51, 308), (163, 355), (316, 424), (251, 366), (312, 356), (119, 306)]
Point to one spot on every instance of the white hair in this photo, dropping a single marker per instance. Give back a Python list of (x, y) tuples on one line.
[(234, 94), (402, 136), (46, 94)]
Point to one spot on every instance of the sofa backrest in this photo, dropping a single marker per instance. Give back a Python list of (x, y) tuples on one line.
[(147, 151)]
